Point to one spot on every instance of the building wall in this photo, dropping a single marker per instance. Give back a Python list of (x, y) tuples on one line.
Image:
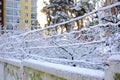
[(19, 12), (13, 69), (34, 14), (26, 14), (12, 10)]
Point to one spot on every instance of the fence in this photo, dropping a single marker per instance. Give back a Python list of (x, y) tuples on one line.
[(13, 69), (64, 43), (37, 70)]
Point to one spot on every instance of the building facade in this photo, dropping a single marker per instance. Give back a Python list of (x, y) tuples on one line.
[(34, 20), (12, 14), (18, 14), (26, 14)]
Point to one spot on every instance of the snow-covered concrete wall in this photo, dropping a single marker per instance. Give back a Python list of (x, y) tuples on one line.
[(63, 72), (1, 69), (13, 69), (40, 70), (113, 72)]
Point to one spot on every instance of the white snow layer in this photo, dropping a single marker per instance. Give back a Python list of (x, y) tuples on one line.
[(63, 70), (94, 44), (115, 58)]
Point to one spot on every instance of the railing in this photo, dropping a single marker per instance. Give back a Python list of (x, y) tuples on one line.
[(72, 42)]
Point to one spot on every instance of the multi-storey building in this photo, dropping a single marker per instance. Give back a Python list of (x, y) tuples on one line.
[(26, 14), (34, 14), (18, 14), (12, 14)]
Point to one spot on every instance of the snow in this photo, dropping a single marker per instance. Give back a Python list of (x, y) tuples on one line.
[(80, 51), (88, 48), (1, 59), (15, 62), (55, 68), (1, 70), (71, 20), (114, 58)]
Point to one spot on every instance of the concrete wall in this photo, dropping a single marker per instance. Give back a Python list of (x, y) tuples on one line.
[(11, 69), (1, 70), (113, 71)]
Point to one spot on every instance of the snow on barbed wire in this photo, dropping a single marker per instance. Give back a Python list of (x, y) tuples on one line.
[(92, 44)]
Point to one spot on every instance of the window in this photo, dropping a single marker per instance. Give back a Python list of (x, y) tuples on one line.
[(34, 2), (26, 0), (34, 16), (17, 5), (9, 19), (17, 0), (9, 4), (26, 21), (26, 7), (16, 20), (16, 12), (34, 22), (9, 11), (34, 9), (9, 27), (26, 14)]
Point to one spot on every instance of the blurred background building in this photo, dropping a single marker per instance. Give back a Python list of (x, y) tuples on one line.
[(18, 14), (28, 15)]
